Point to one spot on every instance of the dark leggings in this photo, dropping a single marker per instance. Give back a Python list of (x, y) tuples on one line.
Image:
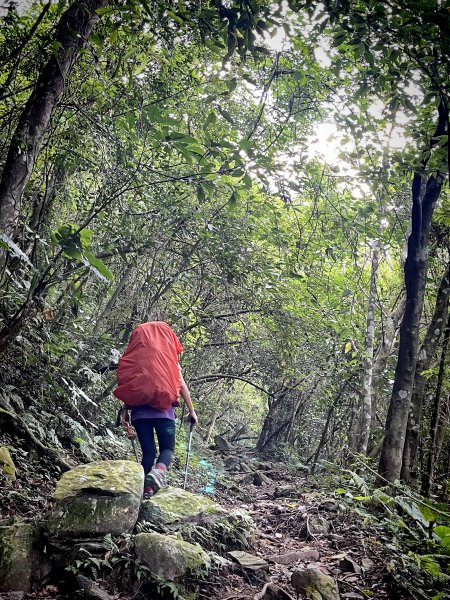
[(165, 432)]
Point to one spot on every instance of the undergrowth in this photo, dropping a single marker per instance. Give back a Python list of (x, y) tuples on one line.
[(415, 531)]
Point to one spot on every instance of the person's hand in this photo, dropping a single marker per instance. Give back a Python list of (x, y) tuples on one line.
[(193, 417), (125, 418)]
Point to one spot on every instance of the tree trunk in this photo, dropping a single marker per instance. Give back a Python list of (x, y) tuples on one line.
[(323, 438), (74, 28), (423, 205), (216, 412), (426, 354), (275, 415), (442, 427), (427, 482), (366, 408), (384, 350)]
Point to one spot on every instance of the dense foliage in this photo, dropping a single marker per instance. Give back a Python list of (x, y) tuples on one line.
[(170, 173)]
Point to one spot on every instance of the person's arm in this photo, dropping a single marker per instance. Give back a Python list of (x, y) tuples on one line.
[(186, 395)]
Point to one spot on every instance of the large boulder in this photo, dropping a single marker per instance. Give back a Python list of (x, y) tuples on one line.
[(22, 561), (168, 557), (174, 506), (174, 509), (96, 499)]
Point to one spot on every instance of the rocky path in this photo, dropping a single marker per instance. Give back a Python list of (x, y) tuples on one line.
[(308, 542), (308, 545)]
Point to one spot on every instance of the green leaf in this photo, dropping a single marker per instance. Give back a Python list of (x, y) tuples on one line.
[(232, 200), (211, 118), (444, 533), (361, 91), (85, 238), (201, 194), (245, 144), (231, 84), (196, 148), (98, 266), (339, 38), (300, 77), (153, 113), (226, 115), (247, 181)]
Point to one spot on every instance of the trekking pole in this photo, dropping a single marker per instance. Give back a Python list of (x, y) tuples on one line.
[(191, 429), (131, 438), (129, 432)]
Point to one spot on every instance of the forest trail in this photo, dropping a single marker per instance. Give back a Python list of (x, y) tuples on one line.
[(301, 526)]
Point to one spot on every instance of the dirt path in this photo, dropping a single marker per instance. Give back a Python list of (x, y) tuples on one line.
[(297, 528)]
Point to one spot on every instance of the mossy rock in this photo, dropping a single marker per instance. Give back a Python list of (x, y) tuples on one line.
[(233, 530), (198, 519), (174, 506), (96, 499), (169, 558), (22, 561), (7, 467), (315, 584)]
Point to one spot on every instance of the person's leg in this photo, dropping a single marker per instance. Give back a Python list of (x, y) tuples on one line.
[(165, 432), (144, 430)]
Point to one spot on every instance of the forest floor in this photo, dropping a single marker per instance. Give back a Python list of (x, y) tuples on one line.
[(301, 521), (300, 524)]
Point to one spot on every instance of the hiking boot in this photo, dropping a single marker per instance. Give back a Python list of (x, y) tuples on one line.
[(148, 488), (156, 479)]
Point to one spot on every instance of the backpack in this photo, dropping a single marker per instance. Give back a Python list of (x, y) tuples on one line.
[(148, 372)]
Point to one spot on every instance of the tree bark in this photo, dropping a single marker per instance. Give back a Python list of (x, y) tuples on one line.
[(442, 427), (74, 28), (366, 408), (323, 438), (416, 265), (383, 352), (427, 482), (276, 415), (425, 356)]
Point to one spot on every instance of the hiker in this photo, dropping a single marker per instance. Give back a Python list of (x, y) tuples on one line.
[(150, 382)]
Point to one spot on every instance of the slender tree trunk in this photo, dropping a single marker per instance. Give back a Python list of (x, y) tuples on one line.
[(424, 198), (74, 28), (271, 420), (427, 482), (366, 408), (216, 412), (426, 354), (384, 351), (445, 493), (323, 438), (442, 427)]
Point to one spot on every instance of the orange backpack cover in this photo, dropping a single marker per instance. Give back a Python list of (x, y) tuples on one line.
[(148, 372)]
